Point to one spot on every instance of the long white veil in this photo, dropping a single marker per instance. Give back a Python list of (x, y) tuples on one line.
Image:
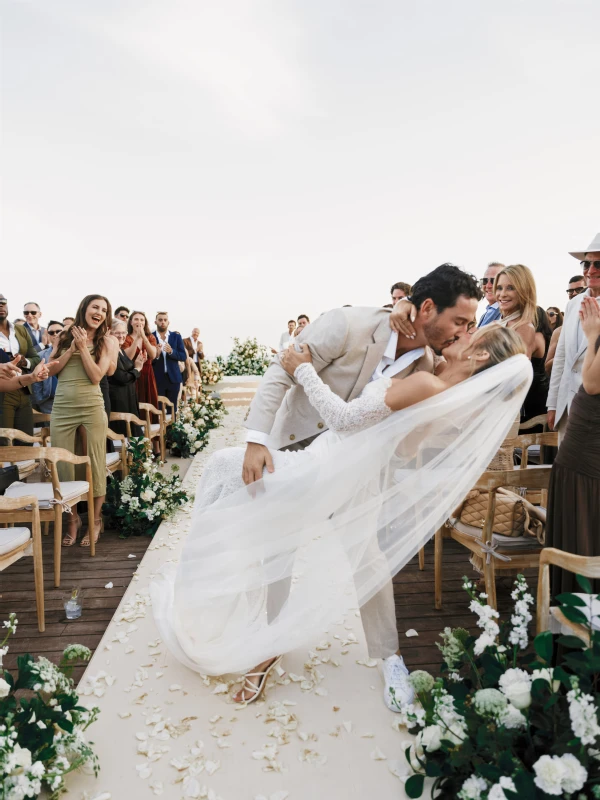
[(327, 533)]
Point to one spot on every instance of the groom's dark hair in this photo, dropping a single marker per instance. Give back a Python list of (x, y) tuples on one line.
[(444, 286)]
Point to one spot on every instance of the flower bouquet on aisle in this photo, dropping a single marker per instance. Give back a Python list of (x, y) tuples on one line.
[(247, 358), (211, 373), (502, 723), (189, 432), (42, 725), (139, 502)]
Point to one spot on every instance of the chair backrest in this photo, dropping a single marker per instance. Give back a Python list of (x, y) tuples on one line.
[(150, 409), (587, 566), (122, 416), (165, 403), (12, 433), (25, 503), (541, 419), (39, 417), (524, 441), (52, 454)]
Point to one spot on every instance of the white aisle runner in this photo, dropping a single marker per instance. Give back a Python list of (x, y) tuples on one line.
[(322, 732)]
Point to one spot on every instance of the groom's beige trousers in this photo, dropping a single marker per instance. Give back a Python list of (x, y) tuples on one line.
[(378, 614)]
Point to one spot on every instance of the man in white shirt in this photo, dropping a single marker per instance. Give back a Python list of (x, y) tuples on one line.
[(492, 312), (286, 339), (572, 344)]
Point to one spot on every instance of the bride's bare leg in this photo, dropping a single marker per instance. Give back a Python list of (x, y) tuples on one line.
[(247, 694)]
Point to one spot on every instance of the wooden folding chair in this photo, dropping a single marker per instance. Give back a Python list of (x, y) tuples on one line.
[(170, 411), (30, 465), (580, 565), (523, 552), (20, 541), (56, 496), (541, 419), (117, 461), (155, 430)]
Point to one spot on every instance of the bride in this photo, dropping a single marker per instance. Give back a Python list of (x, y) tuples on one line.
[(268, 567)]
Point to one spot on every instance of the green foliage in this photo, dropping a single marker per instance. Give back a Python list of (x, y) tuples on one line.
[(189, 433)]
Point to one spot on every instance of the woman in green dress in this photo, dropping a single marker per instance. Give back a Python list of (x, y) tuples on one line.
[(85, 353)]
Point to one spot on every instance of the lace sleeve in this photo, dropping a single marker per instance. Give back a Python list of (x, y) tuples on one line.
[(339, 415)]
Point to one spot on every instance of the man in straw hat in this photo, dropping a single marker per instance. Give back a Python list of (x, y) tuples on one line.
[(572, 344)]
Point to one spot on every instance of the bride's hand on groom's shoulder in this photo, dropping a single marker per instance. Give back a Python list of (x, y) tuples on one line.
[(291, 359), (401, 318)]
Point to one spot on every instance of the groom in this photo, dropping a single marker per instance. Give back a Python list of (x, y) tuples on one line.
[(350, 347)]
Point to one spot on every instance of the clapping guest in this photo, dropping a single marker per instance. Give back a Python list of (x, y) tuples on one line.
[(140, 340), (195, 348), (166, 364), (85, 354), (33, 313), (303, 321), (286, 339), (122, 382), (43, 392), (15, 406)]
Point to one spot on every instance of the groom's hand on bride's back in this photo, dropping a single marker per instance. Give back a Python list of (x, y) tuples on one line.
[(256, 459)]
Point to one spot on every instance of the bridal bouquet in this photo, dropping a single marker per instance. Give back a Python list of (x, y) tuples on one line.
[(42, 725), (139, 502), (189, 433), (502, 722), (211, 373), (247, 358)]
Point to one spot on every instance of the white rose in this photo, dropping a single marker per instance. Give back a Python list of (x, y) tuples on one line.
[(147, 495), (4, 688), (549, 774), (519, 694), (430, 738), (546, 675), (497, 791)]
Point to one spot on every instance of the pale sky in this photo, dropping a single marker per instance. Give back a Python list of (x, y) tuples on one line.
[(239, 162)]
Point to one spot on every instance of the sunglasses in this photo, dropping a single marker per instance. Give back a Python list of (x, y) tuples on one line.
[(573, 292), (551, 313), (55, 332), (485, 281), (31, 313), (587, 264)]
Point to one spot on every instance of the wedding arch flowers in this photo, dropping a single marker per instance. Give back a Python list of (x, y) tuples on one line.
[(246, 358), (503, 723), (42, 725)]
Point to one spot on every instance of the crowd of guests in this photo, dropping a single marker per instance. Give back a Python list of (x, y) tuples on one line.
[(82, 369)]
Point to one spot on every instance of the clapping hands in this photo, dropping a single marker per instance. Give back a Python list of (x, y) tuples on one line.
[(589, 314), (11, 369), (79, 338), (140, 360)]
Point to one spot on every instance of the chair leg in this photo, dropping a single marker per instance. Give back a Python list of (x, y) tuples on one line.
[(38, 576), (57, 543), (437, 567), (422, 559), (45, 528), (489, 574)]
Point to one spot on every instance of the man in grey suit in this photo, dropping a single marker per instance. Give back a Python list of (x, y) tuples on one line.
[(349, 348)]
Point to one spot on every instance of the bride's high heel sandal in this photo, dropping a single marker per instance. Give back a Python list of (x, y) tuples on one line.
[(70, 538), (256, 689)]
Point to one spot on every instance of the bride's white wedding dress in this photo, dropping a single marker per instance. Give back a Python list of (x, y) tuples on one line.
[(332, 524)]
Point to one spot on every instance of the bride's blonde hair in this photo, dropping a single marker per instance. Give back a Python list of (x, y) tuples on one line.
[(501, 343)]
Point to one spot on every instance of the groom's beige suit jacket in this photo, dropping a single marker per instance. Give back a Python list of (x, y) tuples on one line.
[(346, 345)]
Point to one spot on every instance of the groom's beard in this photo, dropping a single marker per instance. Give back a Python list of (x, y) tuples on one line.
[(437, 337)]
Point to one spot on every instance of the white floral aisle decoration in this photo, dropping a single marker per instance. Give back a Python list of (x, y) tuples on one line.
[(211, 373), (189, 433), (503, 723), (247, 358), (138, 503), (42, 725)]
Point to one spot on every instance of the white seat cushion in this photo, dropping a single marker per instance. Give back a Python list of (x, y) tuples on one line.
[(43, 491), (168, 417), (11, 538), (112, 458), (155, 428), (118, 444), (503, 542)]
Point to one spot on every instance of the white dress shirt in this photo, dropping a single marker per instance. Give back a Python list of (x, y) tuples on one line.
[(285, 340), (195, 345), (387, 368), (162, 342)]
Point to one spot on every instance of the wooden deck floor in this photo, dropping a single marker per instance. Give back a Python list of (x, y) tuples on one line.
[(413, 592)]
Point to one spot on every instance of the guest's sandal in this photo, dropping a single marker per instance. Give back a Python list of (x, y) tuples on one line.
[(69, 539), (98, 528)]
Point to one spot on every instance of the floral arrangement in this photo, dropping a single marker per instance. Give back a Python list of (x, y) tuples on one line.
[(139, 502), (502, 723), (42, 725), (189, 433), (211, 373), (247, 358)]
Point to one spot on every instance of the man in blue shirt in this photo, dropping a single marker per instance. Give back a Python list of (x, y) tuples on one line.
[(492, 312)]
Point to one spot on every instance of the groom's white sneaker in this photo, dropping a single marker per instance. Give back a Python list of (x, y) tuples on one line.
[(398, 690)]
